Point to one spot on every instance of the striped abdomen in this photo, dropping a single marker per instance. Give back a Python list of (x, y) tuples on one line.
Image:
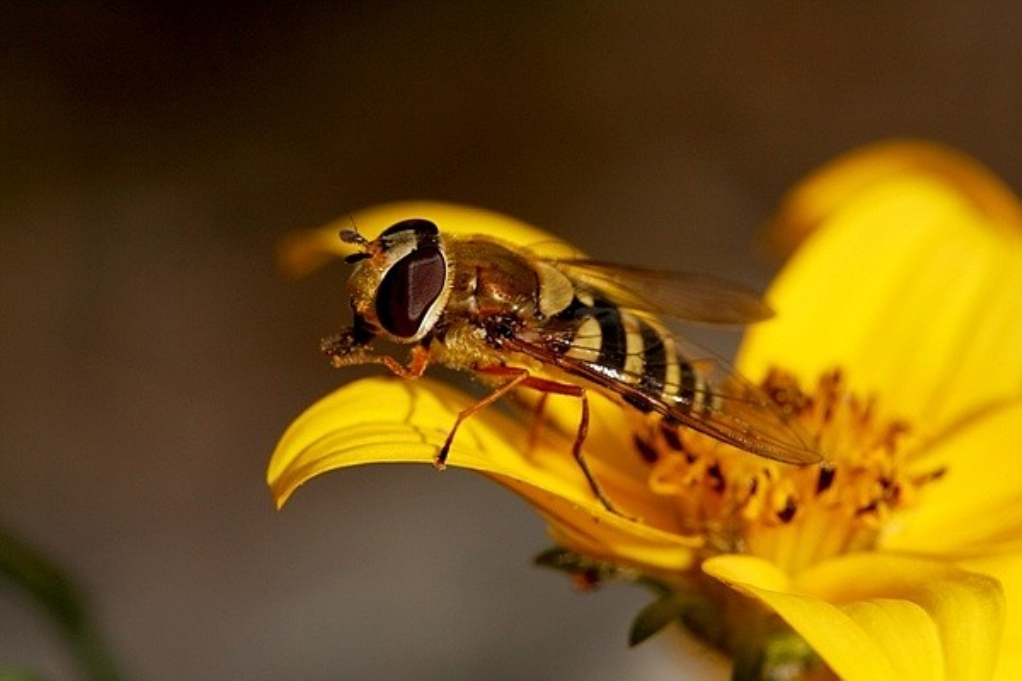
[(628, 354)]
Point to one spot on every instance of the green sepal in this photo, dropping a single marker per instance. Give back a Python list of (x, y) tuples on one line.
[(693, 612), (782, 655), (588, 572)]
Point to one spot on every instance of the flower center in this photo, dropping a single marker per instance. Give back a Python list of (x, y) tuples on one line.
[(793, 516)]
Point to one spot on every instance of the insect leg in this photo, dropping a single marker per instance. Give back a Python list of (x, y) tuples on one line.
[(538, 419), (521, 377), (352, 347), (416, 366)]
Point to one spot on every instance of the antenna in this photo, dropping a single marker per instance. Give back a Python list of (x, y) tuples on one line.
[(351, 235)]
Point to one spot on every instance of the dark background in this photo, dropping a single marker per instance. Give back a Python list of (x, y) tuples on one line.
[(152, 155)]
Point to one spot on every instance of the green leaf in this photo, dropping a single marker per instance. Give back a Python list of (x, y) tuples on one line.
[(55, 592), (13, 674)]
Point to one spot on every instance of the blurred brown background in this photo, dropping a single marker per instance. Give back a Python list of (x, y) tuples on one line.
[(151, 156)]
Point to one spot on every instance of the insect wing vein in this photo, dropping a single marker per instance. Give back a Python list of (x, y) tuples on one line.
[(728, 408), (680, 295)]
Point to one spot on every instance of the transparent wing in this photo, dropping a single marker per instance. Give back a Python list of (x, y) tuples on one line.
[(688, 297), (724, 406)]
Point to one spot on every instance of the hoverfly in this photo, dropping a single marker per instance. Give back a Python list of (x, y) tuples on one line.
[(558, 326)]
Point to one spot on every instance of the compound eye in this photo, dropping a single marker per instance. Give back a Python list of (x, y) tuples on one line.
[(409, 289), (422, 228)]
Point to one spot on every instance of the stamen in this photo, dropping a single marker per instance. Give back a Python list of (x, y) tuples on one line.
[(647, 451), (671, 437), (794, 516), (786, 514), (825, 479), (716, 478)]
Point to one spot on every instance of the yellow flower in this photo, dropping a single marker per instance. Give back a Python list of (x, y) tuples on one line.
[(897, 346)]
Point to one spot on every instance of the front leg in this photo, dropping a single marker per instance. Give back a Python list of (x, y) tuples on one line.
[(416, 364), (352, 347)]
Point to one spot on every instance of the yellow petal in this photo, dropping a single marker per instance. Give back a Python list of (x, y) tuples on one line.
[(1007, 569), (854, 641), (967, 608), (976, 507), (814, 200), (306, 250), (874, 616), (615, 539), (911, 286), (390, 420)]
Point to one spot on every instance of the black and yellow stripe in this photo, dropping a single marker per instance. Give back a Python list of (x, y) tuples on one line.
[(632, 352)]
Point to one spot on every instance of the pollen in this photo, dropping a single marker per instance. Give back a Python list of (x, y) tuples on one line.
[(793, 516)]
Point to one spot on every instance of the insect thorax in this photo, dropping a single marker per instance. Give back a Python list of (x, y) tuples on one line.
[(492, 279)]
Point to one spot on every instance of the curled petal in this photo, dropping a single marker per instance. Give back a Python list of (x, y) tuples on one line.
[(851, 641), (390, 420), (306, 250), (967, 608), (911, 283), (1006, 568), (875, 616)]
